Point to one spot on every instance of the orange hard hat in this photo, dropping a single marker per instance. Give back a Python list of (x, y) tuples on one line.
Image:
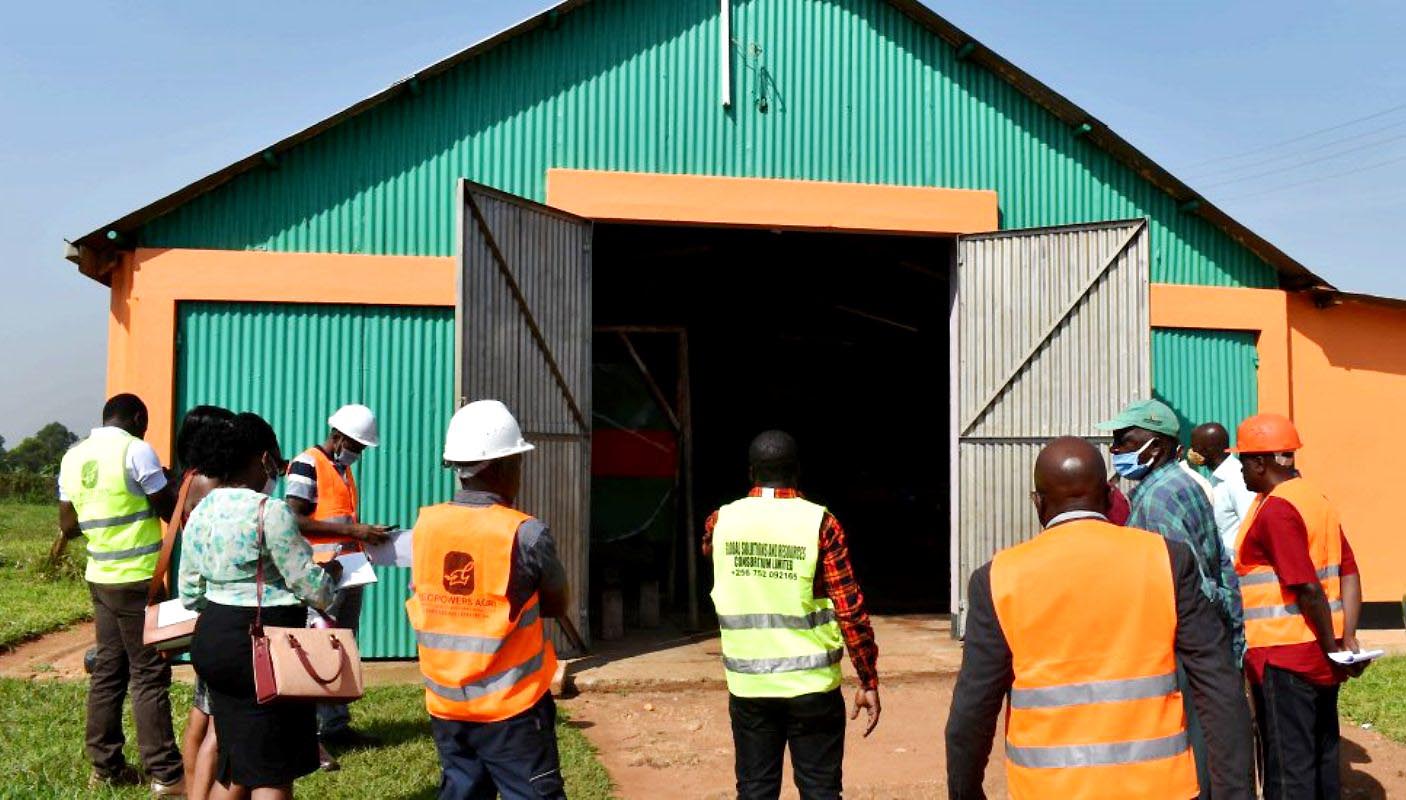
[(1266, 433)]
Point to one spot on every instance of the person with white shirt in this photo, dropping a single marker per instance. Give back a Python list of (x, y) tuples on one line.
[(1231, 501), (114, 492)]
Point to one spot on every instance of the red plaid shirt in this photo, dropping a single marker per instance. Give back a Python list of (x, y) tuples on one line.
[(834, 580)]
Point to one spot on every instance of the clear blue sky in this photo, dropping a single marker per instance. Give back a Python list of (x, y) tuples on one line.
[(105, 106)]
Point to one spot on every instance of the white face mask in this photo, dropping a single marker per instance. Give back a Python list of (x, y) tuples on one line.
[(346, 457), (270, 486)]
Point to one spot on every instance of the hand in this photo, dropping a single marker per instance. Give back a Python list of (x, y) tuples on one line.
[(372, 534), (1349, 642), (867, 699), (56, 552), (333, 569)]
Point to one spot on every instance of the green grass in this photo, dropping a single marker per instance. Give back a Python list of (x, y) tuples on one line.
[(1378, 697), (36, 597), (41, 748)]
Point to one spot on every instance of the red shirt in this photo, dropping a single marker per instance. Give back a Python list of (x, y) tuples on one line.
[(1118, 507), (835, 580), (1279, 538)]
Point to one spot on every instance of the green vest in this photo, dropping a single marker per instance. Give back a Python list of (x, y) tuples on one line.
[(778, 639), (124, 535)]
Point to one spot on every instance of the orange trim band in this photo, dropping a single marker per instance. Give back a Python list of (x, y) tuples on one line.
[(149, 283), (1264, 311), (770, 202)]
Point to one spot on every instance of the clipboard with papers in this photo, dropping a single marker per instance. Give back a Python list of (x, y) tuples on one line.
[(394, 552)]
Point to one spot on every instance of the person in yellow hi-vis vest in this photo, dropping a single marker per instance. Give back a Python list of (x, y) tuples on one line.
[(484, 576), (788, 604), (113, 490)]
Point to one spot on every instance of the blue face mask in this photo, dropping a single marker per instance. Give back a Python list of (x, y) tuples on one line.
[(1128, 464)]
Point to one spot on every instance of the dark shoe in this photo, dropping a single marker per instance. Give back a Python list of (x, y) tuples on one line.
[(346, 737), (127, 776), (325, 761)]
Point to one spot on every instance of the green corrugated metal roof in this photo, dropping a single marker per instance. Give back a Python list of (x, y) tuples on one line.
[(846, 90), (397, 360)]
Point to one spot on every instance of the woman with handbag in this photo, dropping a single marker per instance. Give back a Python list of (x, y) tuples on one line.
[(235, 541)]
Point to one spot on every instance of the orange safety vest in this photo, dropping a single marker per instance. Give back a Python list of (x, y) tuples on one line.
[(1272, 615), (478, 664), (336, 497), (1089, 612)]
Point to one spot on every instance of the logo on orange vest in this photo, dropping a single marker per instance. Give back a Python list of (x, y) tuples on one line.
[(458, 573)]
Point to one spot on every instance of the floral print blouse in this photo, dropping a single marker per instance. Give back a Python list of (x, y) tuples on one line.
[(220, 554)]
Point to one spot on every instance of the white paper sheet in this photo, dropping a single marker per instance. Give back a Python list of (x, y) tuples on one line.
[(172, 612), (356, 571), (395, 552), (1349, 657)]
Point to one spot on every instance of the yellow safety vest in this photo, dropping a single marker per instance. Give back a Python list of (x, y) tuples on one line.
[(778, 639), (124, 534)]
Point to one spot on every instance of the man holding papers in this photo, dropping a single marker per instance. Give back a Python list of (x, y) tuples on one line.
[(321, 491), (483, 577), (1302, 596)]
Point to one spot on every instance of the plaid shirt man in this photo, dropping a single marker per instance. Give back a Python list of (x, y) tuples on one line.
[(835, 580), (1169, 502)]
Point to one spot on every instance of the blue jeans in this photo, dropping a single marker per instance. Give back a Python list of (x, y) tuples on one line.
[(333, 718), (516, 757)]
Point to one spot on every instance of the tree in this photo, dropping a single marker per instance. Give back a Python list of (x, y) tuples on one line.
[(41, 452)]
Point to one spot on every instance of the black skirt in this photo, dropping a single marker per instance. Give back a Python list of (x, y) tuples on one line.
[(259, 745)]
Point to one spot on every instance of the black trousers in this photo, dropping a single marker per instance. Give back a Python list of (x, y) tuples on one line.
[(119, 610), (515, 758), (1298, 725), (812, 725)]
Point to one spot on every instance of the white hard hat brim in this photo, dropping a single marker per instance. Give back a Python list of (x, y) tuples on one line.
[(366, 442), (470, 458)]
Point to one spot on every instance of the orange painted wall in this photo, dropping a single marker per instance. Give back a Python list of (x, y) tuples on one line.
[(1349, 368), (149, 283)]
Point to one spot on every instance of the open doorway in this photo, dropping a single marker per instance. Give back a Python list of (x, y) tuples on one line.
[(840, 339)]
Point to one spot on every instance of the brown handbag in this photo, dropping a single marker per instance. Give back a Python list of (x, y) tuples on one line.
[(301, 663), (172, 637)]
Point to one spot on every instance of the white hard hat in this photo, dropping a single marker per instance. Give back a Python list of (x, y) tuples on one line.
[(482, 431), (357, 422)]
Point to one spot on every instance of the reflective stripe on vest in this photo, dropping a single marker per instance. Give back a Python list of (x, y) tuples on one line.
[(778, 638), (1094, 710), (1098, 755), (123, 532), (337, 497), (1074, 694), (478, 664), (1272, 613), (462, 643)]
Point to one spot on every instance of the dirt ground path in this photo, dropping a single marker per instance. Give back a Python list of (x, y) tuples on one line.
[(679, 744)]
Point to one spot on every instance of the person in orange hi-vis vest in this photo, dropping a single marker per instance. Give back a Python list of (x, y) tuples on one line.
[(483, 577), (321, 491), (1079, 632), (1302, 596)]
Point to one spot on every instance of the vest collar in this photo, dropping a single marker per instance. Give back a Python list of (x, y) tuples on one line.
[(477, 498), (1070, 516)]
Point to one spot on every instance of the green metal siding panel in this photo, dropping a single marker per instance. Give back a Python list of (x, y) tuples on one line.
[(295, 364), (855, 91), (1206, 376)]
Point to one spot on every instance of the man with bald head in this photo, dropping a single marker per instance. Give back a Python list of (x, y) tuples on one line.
[(1230, 500), (1080, 630)]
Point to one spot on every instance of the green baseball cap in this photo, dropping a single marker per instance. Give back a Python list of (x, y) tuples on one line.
[(1152, 415)]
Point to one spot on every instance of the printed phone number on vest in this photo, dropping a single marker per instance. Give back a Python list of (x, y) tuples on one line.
[(764, 559)]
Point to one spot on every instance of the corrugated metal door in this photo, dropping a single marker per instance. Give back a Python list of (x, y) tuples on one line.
[(1206, 375), (294, 363), (524, 319), (1050, 337)]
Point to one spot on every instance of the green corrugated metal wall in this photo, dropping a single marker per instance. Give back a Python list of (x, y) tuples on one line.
[(1206, 376), (854, 90), (294, 364)]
